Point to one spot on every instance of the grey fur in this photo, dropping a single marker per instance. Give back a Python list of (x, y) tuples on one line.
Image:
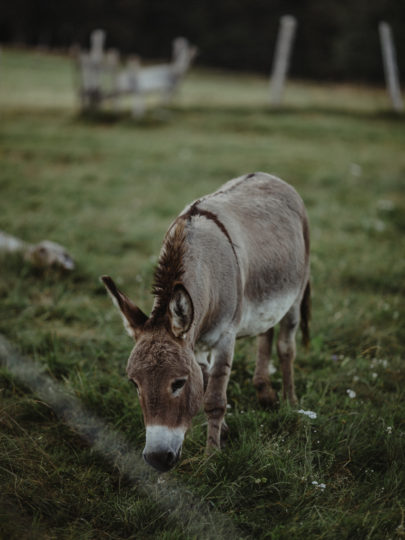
[(242, 260)]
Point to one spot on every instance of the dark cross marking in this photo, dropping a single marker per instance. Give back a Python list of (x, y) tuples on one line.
[(195, 211)]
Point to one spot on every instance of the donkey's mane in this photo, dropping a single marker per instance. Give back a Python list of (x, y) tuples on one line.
[(169, 270)]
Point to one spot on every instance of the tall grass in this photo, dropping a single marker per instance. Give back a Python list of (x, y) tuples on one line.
[(108, 189)]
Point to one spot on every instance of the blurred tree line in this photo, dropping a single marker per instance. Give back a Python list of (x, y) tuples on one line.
[(336, 39)]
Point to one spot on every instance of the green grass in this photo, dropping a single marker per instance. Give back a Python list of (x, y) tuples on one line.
[(107, 189)]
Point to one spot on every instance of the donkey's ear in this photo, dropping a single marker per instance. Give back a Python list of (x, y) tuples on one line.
[(133, 317), (181, 311)]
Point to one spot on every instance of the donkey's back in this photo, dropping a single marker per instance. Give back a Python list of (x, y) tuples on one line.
[(265, 221)]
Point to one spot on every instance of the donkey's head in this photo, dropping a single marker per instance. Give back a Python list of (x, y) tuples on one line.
[(162, 366)]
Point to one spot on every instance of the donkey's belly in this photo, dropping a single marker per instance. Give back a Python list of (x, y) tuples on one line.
[(258, 317)]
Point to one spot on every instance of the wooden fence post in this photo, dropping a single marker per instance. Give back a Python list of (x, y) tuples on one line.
[(97, 39), (112, 62), (281, 58), (93, 67), (390, 66)]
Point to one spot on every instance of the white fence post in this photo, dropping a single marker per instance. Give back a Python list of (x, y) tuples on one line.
[(390, 66), (93, 67), (97, 39), (112, 62), (281, 58)]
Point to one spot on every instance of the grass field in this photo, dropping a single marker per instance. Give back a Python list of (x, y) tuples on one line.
[(107, 189)]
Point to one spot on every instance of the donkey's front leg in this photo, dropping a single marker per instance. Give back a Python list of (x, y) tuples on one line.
[(215, 394)]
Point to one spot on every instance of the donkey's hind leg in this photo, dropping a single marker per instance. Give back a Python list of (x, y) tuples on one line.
[(266, 395), (286, 351)]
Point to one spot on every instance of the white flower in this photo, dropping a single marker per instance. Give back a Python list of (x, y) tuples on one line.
[(355, 169), (378, 225), (320, 486), (379, 362), (385, 204), (272, 368), (389, 430), (310, 414), (351, 393)]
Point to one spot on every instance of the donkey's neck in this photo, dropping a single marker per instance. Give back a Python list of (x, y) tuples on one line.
[(214, 289)]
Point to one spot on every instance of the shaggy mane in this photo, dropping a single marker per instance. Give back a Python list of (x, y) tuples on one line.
[(169, 270)]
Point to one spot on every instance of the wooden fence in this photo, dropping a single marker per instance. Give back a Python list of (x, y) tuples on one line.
[(102, 78)]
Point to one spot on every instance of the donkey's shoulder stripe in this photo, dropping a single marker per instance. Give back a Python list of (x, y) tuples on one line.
[(195, 211)]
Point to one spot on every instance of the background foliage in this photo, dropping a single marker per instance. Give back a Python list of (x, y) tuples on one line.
[(336, 39)]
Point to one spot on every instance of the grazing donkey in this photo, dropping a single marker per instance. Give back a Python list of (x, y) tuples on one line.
[(233, 264)]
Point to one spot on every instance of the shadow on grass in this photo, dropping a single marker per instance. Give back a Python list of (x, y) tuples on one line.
[(247, 110), (153, 118), (159, 117), (258, 119)]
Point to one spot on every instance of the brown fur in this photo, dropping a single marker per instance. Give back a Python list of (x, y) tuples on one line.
[(169, 271), (160, 362)]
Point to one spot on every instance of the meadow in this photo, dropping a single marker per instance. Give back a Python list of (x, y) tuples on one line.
[(107, 188)]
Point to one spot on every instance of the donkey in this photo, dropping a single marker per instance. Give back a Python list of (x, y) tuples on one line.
[(233, 264)]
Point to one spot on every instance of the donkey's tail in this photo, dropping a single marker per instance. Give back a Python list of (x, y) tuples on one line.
[(306, 315)]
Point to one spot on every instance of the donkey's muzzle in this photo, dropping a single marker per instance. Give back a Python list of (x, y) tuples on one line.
[(163, 446), (161, 461)]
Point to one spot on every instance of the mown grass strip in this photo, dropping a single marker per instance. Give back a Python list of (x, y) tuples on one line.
[(197, 519)]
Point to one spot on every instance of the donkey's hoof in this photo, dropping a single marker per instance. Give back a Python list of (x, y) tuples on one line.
[(224, 434), (210, 450), (269, 399)]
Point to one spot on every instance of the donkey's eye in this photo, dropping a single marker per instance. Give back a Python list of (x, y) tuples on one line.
[(178, 384)]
